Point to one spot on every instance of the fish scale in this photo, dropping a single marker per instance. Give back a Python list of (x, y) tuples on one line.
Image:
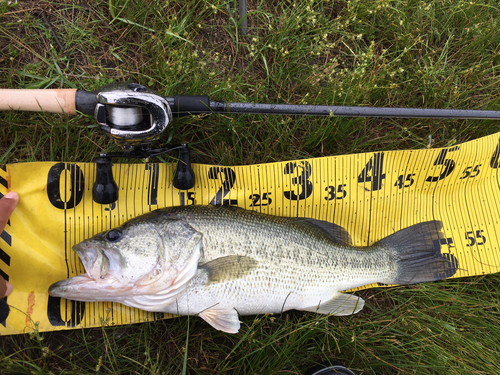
[(221, 261)]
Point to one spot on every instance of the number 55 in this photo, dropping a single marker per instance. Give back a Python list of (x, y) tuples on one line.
[(473, 240)]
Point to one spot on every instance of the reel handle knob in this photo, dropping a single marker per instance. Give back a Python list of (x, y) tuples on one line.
[(184, 175), (105, 190)]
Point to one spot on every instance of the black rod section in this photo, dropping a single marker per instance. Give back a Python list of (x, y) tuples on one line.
[(337, 111), (324, 110)]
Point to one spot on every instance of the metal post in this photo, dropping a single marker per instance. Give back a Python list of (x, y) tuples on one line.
[(242, 5)]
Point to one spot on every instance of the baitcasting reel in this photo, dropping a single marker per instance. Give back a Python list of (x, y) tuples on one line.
[(135, 117)]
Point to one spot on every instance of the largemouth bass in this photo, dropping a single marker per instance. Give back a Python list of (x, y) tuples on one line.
[(219, 261)]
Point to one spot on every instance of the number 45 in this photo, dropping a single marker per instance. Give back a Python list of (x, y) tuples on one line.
[(473, 240)]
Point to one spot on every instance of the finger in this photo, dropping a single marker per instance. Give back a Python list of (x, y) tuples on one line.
[(6, 288), (10, 288), (3, 287), (7, 205)]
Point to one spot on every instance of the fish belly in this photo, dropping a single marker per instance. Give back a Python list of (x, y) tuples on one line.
[(268, 291)]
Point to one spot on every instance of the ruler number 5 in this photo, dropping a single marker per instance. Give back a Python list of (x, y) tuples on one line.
[(448, 164)]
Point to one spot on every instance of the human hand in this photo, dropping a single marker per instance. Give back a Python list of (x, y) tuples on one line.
[(7, 205)]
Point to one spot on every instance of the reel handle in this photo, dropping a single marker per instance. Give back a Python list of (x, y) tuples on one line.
[(105, 190), (184, 176)]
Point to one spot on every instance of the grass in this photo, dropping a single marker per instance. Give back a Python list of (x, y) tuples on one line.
[(433, 54)]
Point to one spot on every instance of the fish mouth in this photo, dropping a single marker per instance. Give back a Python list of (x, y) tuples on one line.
[(97, 284), (94, 260), (85, 288)]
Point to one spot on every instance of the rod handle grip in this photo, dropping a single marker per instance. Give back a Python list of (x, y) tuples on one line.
[(38, 100)]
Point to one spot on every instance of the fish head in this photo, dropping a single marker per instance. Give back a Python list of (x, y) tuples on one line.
[(155, 254)]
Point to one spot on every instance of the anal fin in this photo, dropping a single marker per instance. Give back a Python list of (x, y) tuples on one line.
[(341, 304), (222, 319)]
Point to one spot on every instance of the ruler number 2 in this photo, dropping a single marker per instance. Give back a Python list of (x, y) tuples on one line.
[(227, 176)]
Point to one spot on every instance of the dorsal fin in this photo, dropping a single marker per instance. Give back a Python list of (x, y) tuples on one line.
[(333, 231)]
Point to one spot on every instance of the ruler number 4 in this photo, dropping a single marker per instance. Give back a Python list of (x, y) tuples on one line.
[(373, 171)]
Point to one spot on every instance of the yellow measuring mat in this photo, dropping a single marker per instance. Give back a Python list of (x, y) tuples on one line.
[(372, 195)]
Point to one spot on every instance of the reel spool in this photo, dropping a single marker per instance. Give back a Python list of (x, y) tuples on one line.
[(125, 117)]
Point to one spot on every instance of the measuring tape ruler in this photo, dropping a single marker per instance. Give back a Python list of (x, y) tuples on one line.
[(371, 195)]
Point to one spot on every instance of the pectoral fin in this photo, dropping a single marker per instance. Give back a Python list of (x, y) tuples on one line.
[(341, 304), (228, 268), (225, 320)]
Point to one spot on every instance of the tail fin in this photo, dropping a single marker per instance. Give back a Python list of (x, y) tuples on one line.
[(417, 252)]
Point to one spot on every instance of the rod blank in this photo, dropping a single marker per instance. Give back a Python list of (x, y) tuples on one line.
[(334, 111)]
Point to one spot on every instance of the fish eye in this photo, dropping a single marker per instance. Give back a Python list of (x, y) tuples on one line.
[(113, 235)]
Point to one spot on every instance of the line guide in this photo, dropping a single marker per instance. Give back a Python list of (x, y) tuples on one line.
[(372, 195)]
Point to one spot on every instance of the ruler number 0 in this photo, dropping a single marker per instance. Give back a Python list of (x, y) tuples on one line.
[(75, 184)]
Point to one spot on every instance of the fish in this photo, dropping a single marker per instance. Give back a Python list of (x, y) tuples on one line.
[(220, 262)]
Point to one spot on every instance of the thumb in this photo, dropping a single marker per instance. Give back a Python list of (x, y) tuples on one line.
[(7, 205)]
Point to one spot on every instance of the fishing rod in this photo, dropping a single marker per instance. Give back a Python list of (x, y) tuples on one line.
[(136, 116), (124, 104)]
